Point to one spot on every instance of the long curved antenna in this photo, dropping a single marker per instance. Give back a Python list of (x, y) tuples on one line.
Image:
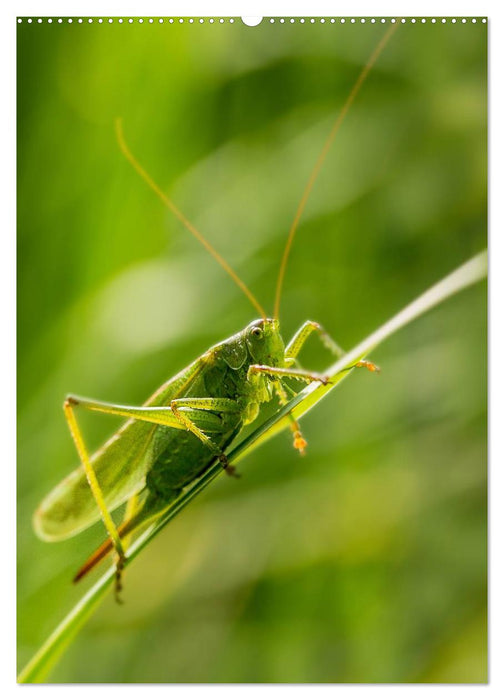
[(320, 160), (167, 202)]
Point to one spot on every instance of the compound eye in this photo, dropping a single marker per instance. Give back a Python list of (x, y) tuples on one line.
[(257, 332)]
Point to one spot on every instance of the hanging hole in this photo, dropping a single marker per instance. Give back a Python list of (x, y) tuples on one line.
[(251, 21)]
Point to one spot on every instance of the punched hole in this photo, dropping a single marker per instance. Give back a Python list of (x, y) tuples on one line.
[(251, 21)]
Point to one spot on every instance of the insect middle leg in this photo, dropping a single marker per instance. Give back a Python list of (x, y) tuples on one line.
[(209, 404)]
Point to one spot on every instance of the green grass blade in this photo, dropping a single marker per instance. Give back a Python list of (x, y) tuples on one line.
[(471, 272), (39, 667)]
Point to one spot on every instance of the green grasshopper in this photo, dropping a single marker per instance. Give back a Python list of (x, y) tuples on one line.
[(189, 422)]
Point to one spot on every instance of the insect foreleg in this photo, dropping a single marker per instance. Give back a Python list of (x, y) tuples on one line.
[(300, 337), (299, 441), (366, 364), (202, 405)]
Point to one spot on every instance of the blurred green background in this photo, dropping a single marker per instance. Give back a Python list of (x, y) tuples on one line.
[(366, 560)]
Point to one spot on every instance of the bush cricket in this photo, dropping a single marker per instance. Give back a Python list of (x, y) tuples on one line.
[(188, 423)]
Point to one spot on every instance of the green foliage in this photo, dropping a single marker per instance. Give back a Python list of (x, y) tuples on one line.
[(473, 271), (365, 561)]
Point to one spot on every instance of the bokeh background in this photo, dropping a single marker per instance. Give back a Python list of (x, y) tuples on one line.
[(366, 560)]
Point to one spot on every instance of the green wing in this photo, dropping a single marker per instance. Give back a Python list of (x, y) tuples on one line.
[(121, 465)]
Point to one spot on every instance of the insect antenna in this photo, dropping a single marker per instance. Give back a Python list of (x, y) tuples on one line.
[(321, 158), (180, 216)]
